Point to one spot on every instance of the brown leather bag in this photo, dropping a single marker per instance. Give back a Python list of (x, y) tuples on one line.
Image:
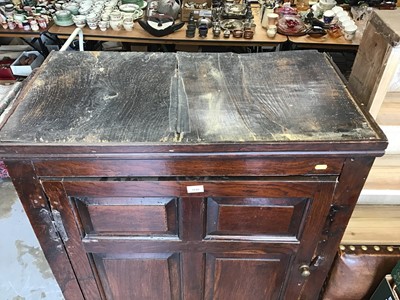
[(357, 272)]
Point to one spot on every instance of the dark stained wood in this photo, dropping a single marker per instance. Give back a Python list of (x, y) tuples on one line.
[(157, 245), (318, 213), (193, 275), (281, 217), (140, 277), (38, 211), (84, 92), (11, 150), (82, 265), (344, 201), (122, 188), (192, 212), (128, 216), (192, 229), (192, 167), (287, 187), (311, 195), (236, 100), (184, 98), (189, 176), (238, 276)]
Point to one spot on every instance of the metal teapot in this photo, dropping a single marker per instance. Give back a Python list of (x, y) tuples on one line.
[(169, 7)]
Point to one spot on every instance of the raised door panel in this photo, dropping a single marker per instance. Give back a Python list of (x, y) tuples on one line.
[(117, 273), (127, 216), (240, 276), (141, 276), (117, 230), (256, 216)]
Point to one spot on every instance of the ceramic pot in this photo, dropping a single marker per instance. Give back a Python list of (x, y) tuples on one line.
[(116, 24)]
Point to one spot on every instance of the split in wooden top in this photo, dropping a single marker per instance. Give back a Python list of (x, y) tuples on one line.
[(103, 98)]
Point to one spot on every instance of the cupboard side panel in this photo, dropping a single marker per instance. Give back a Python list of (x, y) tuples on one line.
[(345, 197), (36, 207), (80, 262), (309, 238)]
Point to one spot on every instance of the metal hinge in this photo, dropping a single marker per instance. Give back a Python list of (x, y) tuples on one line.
[(334, 209), (59, 225)]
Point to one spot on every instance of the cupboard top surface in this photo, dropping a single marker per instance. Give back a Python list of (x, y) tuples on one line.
[(103, 98)]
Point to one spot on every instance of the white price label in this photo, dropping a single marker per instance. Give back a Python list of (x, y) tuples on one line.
[(195, 189), (205, 13), (321, 167)]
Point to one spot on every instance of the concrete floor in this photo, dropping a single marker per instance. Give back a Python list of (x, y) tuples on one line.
[(24, 271)]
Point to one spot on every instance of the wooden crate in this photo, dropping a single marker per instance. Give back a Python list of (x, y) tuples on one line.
[(375, 80), (377, 60)]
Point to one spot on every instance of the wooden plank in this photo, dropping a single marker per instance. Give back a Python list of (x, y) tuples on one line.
[(388, 21), (373, 225), (381, 211), (385, 174), (388, 114), (379, 92), (387, 161), (186, 98), (76, 94), (369, 64), (384, 222), (393, 96), (235, 98), (377, 60), (395, 83), (368, 236)]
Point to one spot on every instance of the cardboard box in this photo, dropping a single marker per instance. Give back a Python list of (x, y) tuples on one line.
[(385, 290), (197, 13), (26, 70)]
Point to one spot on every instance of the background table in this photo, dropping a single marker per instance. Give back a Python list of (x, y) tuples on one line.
[(140, 36), (20, 33), (24, 35), (340, 43)]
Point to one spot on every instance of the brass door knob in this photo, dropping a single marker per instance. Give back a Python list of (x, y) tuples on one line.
[(305, 270)]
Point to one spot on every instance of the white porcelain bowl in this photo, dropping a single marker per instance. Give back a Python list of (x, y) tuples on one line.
[(337, 9), (327, 4)]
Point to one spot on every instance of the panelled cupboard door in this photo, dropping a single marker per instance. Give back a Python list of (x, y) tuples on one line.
[(238, 276), (222, 239)]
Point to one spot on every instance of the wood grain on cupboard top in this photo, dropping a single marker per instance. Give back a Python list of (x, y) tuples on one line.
[(80, 98)]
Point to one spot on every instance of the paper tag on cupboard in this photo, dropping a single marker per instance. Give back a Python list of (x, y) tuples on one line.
[(195, 189)]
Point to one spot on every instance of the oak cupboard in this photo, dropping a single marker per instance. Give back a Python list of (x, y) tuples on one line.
[(189, 176)]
